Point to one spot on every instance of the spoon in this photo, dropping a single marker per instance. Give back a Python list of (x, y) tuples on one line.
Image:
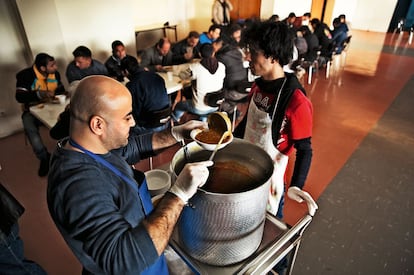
[(223, 136), (186, 155)]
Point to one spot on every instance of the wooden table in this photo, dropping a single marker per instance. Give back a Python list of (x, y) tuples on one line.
[(48, 113), (174, 85)]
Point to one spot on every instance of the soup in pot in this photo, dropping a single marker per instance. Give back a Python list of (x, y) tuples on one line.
[(230, 177)]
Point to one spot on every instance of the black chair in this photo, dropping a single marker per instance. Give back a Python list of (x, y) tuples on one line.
[(158, 118)]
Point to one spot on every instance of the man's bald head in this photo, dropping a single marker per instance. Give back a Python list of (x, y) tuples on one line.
[(95, 95)]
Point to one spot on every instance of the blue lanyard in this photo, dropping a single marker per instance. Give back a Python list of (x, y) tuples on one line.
[(104, 162), (142, 194), (142, 191)]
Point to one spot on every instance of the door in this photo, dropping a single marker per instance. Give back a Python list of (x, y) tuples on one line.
[(243, 9)]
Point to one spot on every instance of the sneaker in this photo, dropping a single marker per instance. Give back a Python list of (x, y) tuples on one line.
[(44, 166)]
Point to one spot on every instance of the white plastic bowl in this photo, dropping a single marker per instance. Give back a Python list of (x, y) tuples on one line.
[(156, 199), (209, 146), (158, 181)]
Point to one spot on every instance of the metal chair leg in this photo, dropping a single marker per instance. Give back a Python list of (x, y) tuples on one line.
[(328, 68), (310, 75), (150, 163)]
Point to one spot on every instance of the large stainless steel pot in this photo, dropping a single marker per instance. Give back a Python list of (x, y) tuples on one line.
[(225, 228)]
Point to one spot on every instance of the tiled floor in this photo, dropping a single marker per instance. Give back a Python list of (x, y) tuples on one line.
[(347, 111)]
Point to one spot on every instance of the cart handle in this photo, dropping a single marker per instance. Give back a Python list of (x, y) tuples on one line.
[(297, 194)]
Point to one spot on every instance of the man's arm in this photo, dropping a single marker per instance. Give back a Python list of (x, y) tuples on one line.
[(302, 163), (178, 51), (146, 58), (112, 68), (161, 222), (60, 88), (169, 137), (24, 92), (71, 74), (143, 146)]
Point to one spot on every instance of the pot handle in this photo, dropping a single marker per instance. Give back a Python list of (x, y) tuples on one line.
[(299, 195), (312, 206)]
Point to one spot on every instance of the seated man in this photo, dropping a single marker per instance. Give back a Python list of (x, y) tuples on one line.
[(305, 20), (113, 63), (290, 20), (339, 34), (34, 85), (323, 33), (236, 80), (185, 50), (207, 77), (99, 203), (312, 42), (156, 57), (232, 57), (61, 128), (150, 102), (83, 65), (212, 34), (342, 18)]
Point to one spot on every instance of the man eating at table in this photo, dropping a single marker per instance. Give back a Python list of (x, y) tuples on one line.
[(34, 85)]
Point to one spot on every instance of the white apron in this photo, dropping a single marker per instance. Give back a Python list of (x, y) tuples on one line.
[(259, 131)]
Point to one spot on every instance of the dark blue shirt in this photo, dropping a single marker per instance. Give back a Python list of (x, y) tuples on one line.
[(99, 214), (148, 95)]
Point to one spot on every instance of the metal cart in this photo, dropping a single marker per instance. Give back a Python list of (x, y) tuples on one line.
[(279, 241)]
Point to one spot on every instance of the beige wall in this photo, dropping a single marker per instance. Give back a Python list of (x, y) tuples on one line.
[(284, 7), (367, 15), (13, 57)]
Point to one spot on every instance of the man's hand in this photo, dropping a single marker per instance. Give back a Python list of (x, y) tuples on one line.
[(192, 176), (188, 55), (159, 68), (181, 132), (45, 94)]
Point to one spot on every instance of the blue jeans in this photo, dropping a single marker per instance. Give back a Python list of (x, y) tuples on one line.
[(187, 106), (279, 213), (12, 261), (339, 39), (31, 128)]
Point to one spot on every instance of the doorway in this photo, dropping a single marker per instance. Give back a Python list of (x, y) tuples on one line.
[(243, 10)]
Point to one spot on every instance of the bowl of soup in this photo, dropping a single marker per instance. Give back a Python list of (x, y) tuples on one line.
[(218, 125), (208, 139)]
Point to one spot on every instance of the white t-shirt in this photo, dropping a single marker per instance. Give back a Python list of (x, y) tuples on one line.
[(206, 83)]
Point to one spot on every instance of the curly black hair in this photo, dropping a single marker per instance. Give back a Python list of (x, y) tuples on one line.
[(272, 38)]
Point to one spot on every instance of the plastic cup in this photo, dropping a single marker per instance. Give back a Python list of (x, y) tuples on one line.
[(61, 98), (170, 76)]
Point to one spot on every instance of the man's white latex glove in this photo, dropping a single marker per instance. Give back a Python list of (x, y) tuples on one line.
[(192, 176), (295, 193), (181, 132)]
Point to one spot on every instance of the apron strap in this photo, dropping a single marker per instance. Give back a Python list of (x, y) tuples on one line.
[(142, 191)]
